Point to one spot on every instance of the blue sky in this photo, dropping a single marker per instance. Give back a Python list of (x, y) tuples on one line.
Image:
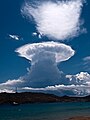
[(12, 22)]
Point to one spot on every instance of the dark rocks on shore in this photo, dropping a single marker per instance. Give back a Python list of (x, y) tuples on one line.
[(29, 97)]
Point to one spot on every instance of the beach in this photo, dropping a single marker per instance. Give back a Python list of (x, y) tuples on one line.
[(79, 118)]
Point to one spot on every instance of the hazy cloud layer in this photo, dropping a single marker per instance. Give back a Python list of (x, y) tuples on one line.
[(86, 63), (87, 59), (58, 20)]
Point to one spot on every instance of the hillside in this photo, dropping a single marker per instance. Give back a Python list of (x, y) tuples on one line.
[(29, 97)]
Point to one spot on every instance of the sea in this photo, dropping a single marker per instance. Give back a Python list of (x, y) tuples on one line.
[(44, 111)]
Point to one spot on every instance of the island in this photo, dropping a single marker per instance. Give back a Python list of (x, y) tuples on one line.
[(31, 97)]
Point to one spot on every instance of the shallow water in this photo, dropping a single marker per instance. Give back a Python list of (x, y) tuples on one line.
[(45, 111)]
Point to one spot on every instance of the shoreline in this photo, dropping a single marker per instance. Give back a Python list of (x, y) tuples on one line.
[(79, 118)]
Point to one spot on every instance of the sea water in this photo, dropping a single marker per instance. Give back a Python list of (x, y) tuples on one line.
[(44, 111)]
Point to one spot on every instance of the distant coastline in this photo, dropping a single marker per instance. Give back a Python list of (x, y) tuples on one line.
[(29, 97)]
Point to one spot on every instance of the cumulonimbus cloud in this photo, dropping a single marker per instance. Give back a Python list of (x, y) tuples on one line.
[(58, 20), (44, 58)]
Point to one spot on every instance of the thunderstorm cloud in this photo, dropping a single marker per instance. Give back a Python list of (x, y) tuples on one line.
[(44, 58)]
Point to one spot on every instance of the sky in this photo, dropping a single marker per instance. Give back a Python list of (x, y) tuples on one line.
[(45, 46)]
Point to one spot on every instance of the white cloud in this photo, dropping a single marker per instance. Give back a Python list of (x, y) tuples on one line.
[(51, 50), (37, 34), (81, 78), (57, 87), (14, 37), (73, 90), (11, 83), (58, 20), (34, 34), (6, 90)]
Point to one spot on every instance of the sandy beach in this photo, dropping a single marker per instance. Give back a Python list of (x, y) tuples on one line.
[(79, 118)]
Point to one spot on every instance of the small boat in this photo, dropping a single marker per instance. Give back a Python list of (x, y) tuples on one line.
[(15, 103)]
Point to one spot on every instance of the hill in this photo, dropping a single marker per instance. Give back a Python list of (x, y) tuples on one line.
[(29, 97)]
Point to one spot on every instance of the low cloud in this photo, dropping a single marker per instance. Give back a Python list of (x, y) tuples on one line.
[(81, 78), (58, 20), (77, 85), (12, 83), (70, 90), (6, 90), (72, 85)]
